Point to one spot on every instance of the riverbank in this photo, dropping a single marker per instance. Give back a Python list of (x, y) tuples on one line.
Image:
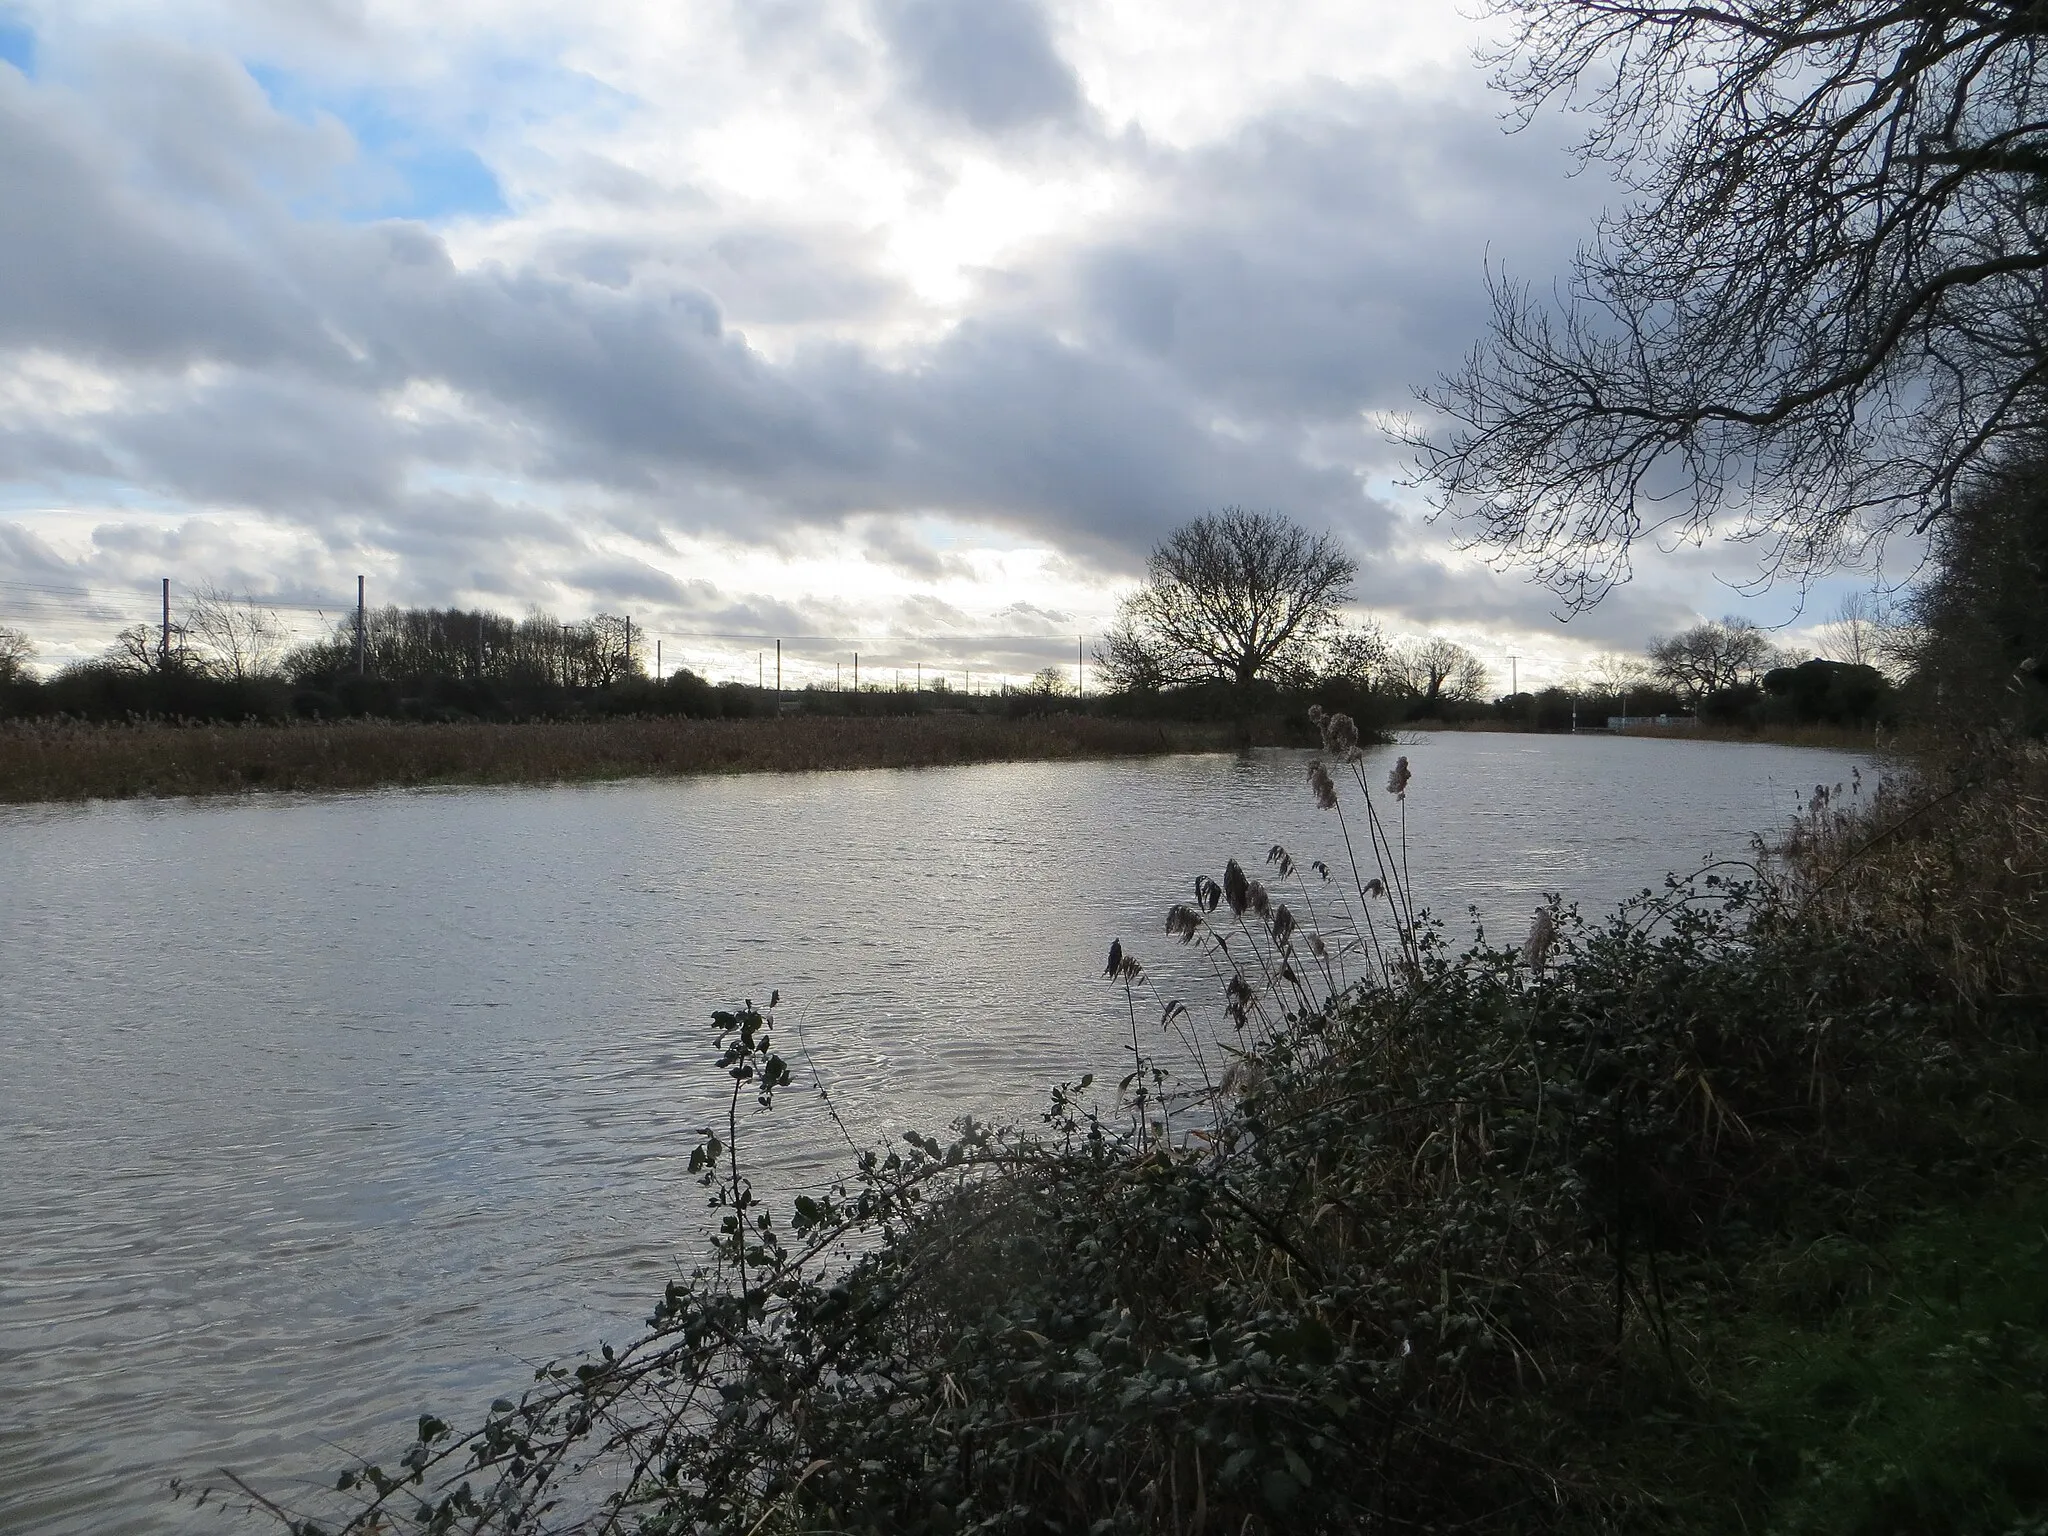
[(42, 761), (1720, 1214), (1832, 737)]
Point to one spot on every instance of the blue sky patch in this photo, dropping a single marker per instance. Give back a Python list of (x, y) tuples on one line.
[(17, 46), (407, 167)]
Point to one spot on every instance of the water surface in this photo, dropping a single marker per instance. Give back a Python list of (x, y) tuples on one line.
[(316, 1113)]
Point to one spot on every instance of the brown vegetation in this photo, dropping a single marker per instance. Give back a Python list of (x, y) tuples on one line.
[(72, 761)]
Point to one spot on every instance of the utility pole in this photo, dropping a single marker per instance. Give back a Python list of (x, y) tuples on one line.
[(657, 661), (163, 654), (1080, 677), (1515, 675), (778, 674), (835, 677), (760, 669), (920, 679), (362, 629), (856, 671), (628, 667)]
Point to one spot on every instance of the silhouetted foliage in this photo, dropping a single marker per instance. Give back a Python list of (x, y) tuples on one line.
[(1234, 595), (1978, 640), (1822, 692)]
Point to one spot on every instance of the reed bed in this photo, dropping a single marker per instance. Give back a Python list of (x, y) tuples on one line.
[(41, 761)]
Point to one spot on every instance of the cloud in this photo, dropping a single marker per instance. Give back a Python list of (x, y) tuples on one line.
[(990, 64), (649, 335), (1326, 259)]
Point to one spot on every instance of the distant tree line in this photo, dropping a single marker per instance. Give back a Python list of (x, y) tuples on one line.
[(1242, 612), (1240, 617), (229, 658)]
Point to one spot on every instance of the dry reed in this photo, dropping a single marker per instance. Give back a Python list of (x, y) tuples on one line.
[(42, 761)]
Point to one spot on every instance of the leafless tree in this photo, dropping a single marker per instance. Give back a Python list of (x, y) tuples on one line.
[(604, 650), (1438, 669), (1049, 683), (1614, 676), (146, 648), (1711, 656), (1819, 313), (1126, 661), (237, 638), (1858, 633), (16, 652), (1234, 595), (1360, 654)]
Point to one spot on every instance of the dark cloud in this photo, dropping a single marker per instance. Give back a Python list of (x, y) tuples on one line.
[(494, 421), (1328, 258), (98, 267), (990, 64)]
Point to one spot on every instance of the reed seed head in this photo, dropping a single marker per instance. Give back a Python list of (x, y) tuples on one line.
[(1261, 903), (1542, 935), (1283, 925), (1116, 957), (1281, 859), (1397, 781), (1237, 993), (1236, 889), (1322, 786), (1183, 922), (1340, 737)]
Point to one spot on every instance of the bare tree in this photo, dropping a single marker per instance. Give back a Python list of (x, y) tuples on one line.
[(237, 638), (1857, 633), (1821, 305), (16, 652), (1616, 676), (1234, 595), (1049, 683), (1359, 654), (1439, 670), (146, 648), (606, 650), (1712, 656), (1126, 661)]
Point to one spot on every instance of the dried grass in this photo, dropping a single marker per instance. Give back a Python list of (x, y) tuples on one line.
[(42, 761), (1951, 866)]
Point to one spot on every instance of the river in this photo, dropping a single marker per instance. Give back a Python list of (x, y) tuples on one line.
[(319, 1112)]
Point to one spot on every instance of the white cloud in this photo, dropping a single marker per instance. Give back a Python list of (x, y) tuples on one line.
[(874, 319)]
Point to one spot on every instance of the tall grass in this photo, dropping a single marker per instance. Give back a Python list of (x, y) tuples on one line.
[(73, 761), (1444, 1241)]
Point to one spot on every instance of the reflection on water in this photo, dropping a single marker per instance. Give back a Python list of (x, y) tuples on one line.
[(315, 1113)]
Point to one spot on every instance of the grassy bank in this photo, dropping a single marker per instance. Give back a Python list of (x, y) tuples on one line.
[(68, 761), (1723, 1212)]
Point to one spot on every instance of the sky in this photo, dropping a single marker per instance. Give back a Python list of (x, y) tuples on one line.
[(905, 327)]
